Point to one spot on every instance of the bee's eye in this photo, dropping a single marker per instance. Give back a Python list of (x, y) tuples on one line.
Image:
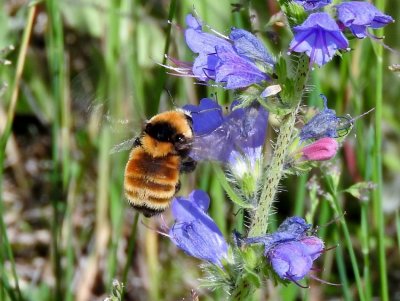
[(179, 138)]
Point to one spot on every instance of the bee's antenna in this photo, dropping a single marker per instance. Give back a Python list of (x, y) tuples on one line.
[(171, 98)]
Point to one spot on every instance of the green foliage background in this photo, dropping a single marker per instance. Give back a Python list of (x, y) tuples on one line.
[(92, 76)]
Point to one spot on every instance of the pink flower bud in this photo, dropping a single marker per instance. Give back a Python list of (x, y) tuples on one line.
[(321, 150)]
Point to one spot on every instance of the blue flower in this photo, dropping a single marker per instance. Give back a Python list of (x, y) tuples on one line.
[(313, 4), (359, 15), (319, 37), (323, 124), (236, 71), (292, 229), (247, 45), (236, 62), (207, 116), (290, 250), (219, 137), (293, 260), (194, 231)]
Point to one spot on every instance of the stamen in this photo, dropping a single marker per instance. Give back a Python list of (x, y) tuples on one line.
[(323, 281), (295, 282)]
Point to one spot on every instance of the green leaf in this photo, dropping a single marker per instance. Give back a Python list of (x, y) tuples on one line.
[(361, 190), (229, 190)]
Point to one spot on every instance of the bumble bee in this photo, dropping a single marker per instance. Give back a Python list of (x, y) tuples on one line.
[(157, 158)]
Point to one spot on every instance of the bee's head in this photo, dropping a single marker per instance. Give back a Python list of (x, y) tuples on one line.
[(168, 133)]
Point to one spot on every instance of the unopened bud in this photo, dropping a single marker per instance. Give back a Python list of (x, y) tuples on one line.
[(321, 150)]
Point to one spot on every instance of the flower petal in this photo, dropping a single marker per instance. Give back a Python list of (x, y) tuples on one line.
[(236, 71), (323, 124), (240, 130), (312, 246), (319, 37), (289, 261), (194, 231), (199, 241), (207, 116), (313, 4), (359, 15), (248, 45), (202, 42), (204, 66)]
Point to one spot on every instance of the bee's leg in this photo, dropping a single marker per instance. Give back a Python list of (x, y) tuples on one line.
[(188, 165), (177, 186)]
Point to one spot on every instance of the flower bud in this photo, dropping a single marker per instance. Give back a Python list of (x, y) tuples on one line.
[(321, 150)]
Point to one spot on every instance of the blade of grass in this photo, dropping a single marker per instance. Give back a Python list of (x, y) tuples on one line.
[(69, 230), (398, 228), (55, 46), (300, 195), (102, 228), (8, 289), (342, 270), (162, 75), (131, 247), (365, 250), (346, 232), (135, 71), (3, 142), (377, 173), (153, 265), (110, 202)]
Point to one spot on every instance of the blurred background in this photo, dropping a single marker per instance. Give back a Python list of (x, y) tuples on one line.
[(83, 77)]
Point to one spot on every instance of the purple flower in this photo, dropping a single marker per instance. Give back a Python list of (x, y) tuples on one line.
[(236, 62), (290, 250), (320, 150), (319, 37), (313, 4), (323, 124), (293, 228), (218, 137), (359, 15), (236, 71), (194, 231), (293, 260), (247, 45)]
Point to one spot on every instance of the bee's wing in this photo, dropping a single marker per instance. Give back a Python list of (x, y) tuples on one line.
[(211, 146), (123, 146), (242, 129), (91, 110)]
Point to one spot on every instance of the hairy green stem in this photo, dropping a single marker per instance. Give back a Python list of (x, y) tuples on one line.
[(243, 289), (260, 220), (259, 223)]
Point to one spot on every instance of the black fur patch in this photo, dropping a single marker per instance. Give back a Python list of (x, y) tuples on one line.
[(146, 211), (188, 165), (162, 131)]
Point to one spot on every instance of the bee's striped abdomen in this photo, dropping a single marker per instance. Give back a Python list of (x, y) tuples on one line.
[(150, 183)]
